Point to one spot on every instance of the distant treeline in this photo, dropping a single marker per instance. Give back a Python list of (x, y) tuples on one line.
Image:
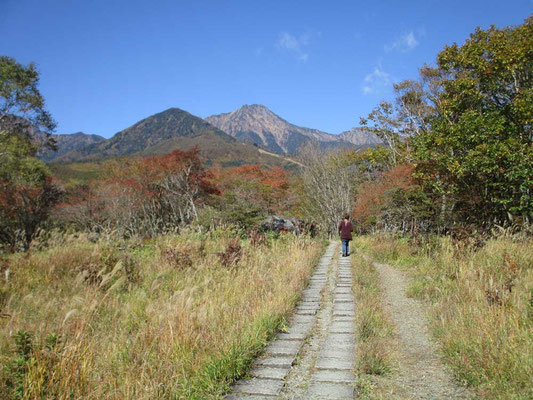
[(458, 153)]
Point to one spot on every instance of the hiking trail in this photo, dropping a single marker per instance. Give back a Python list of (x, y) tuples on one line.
[(316, 357), (421, 373)]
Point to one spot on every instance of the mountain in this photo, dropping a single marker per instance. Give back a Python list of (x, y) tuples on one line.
[(67, 143), (257, 124), (169, 130), (360, 137)]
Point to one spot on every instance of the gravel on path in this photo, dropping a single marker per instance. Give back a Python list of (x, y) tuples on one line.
[(421, 373)]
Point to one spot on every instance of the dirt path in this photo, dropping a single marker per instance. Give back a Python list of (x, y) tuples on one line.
[(421, 373)]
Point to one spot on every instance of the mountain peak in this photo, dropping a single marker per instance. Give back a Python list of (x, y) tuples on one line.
[(172, 111), (254, 109), (257, 124)]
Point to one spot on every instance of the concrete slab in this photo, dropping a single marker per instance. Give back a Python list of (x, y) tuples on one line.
[(343, 338), (328, 376), (305, 312), (343, 307), (341, 353), (343, 313), (311, 298), (345, 347), (334, 364), (292, 336), (343, 296), (258, 386), (283, 348), (308, 306), (270, 373), (320, 390), (342, 327), (300, 328), (343, 318), (242, 396), (302, 319), (347, 301), (310, 301), (343, 290), (276, 361)]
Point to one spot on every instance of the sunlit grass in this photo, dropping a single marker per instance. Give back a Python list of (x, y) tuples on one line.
[(136, 321), (374, 327), (481, 306)]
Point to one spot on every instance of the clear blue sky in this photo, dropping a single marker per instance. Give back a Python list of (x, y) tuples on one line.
[(105, 64)]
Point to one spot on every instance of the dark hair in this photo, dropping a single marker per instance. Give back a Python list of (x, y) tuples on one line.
[(346, 216)]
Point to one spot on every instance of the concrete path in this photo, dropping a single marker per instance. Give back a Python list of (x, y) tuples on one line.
[(333, 373), (315, 358)]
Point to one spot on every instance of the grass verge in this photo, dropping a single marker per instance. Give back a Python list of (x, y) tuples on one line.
[(375, 330), (481, 305)]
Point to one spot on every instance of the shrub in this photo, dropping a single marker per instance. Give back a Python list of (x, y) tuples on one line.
[(233, 253)]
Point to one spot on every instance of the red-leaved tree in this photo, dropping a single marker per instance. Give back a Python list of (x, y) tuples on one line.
[(394, 202), (144, 196)]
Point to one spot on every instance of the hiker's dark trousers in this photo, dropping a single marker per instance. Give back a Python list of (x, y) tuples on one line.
[(345, 247)]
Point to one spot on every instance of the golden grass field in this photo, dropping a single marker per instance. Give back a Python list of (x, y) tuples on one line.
[(168, 318)]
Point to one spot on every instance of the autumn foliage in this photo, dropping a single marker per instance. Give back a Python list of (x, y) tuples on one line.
[(395, 201), (249, 193), (143, 196), (265, 187), (157, 194)]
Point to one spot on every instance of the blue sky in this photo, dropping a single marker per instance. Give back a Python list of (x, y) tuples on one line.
[(105, 64)]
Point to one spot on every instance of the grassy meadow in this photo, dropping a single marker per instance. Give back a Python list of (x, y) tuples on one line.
[(174, 317), (481, 305)]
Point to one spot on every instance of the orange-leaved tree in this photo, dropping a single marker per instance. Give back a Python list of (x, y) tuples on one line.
[(145, 196), (393, 202), (249, 192)]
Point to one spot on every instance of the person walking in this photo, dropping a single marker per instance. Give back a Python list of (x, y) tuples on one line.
[(345, 232)]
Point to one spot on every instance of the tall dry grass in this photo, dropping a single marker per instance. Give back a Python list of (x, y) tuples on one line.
[(375, 330), (154, 320), (481, 306)]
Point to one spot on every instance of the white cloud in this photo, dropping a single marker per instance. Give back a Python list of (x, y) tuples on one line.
[(404, 43), (377, 81), (294, 45), (287, 41)]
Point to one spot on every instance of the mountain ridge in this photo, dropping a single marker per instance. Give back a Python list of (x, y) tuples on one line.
[(360, 136), (66, 143), (257, 124), (166, 131), (234, 137)]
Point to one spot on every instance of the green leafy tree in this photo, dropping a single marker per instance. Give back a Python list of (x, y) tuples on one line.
[(27, 193), (478, 152), (466, 125)]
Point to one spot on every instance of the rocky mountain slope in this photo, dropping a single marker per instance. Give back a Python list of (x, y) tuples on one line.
[(68, 143), (257, 124), (169, 130), (360, 137)]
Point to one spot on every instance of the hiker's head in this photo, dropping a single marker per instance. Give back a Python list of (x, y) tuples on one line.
[(346, 216)]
